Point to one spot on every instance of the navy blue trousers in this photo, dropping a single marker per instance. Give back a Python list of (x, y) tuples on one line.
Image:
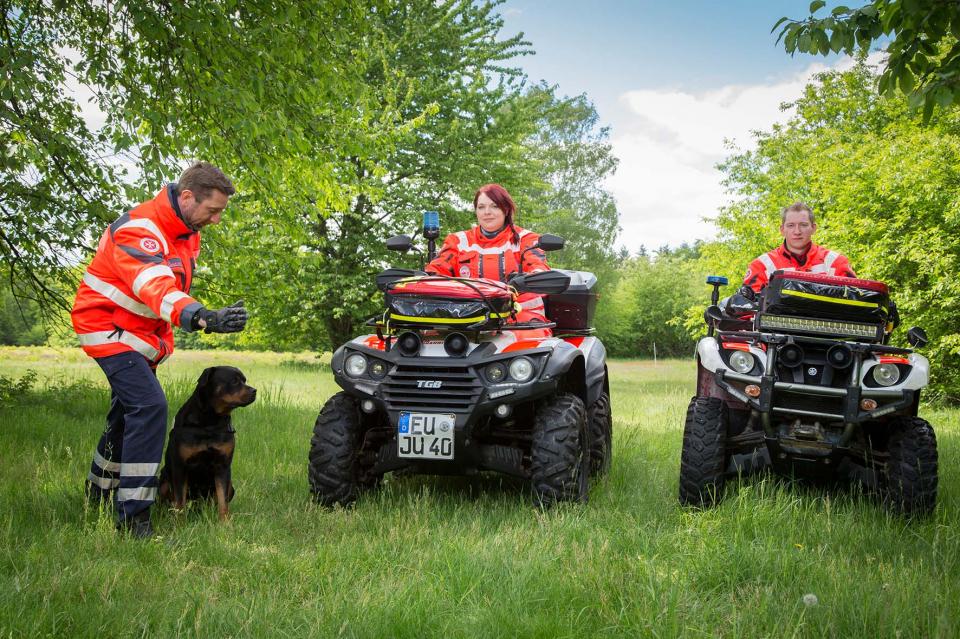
[(127, 458)]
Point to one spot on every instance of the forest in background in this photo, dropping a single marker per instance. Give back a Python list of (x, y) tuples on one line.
[(343, 122)]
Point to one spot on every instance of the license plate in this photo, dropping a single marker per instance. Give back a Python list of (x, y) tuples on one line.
[(425, 435)]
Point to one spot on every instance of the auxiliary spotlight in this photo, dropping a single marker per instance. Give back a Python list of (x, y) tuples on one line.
[(409, 344), (840, 356), (791, 355), (455, 344)]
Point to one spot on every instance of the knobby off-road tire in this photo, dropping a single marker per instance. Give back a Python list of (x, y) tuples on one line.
[(911, 486), (560, 451), (704, 453), (335, 473), (601, 435)]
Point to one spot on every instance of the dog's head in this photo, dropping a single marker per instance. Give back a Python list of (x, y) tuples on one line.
[(224, 388)]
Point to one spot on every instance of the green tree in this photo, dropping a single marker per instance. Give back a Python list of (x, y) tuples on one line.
[(252, 86), (923, 50), (20, 322), (884, 188), (640, 314), (571, 158), (339, 121), (472, 121)]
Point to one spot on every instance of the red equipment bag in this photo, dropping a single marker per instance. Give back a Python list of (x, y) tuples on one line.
[(448, 301), (826, 296)]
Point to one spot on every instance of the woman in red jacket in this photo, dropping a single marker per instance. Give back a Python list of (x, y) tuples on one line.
[(493, 248)]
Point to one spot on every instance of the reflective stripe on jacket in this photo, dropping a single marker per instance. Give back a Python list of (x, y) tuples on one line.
[(136, 288), (817, 259), (471, 254)]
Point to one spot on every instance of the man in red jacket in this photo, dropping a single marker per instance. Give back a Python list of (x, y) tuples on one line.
[(797, 253), (133, 293)]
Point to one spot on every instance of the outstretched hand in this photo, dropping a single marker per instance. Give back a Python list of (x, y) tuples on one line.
[(229, 319)]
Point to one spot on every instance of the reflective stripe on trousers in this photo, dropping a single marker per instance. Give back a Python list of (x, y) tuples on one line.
[(129, 452)]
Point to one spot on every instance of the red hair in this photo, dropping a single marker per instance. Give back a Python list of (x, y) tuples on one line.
[(504, 202)]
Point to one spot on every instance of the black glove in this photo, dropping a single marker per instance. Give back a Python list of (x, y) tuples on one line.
[(229, 319)]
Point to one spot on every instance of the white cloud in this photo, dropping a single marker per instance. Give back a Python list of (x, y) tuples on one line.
[(669, 141)]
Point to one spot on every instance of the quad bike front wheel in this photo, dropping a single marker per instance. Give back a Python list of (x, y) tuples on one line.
[(601, 435), (704, 452), (560, 451), (336, 472), (911, 478)]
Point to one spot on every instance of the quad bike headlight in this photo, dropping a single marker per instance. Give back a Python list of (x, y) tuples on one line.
[(378, 369), (886, 374), (496, 372), (356, 365), (741, 361), (521, 369)]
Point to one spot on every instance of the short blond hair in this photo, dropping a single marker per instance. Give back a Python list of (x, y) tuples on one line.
[(796, 206)]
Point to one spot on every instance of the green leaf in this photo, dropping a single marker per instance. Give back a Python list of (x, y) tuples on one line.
[(836, 41), (816, 5), (928, 105), (790, 42), (883, 83), (823, 42), (944, 96), (906, 80), (891, 18), (840, 10), (778, 23)]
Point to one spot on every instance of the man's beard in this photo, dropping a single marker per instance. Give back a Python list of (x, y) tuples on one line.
[(186, 220)]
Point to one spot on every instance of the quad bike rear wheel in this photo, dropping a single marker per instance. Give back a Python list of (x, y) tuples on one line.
[(560, 451), (704, 453), (336, 472), (911, 486), (601, 435)]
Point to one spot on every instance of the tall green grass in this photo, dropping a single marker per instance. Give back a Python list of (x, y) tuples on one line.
[(450, 557)]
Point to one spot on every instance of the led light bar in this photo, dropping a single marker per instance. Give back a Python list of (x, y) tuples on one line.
[(835, 328)]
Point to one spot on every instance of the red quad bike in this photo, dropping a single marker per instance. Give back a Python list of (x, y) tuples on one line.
[(801, 379), (452, 384)]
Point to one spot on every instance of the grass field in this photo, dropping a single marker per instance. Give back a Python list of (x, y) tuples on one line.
[(450, 557)]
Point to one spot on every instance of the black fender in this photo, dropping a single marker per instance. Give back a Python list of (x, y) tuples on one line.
[(565, 367), (336, 361), (585, 377), (596, 372)]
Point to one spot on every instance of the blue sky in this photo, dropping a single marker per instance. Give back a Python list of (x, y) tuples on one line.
[(672, 80)]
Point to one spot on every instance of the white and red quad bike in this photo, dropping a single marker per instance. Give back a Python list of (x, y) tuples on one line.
[(801, 379), (451, 384)]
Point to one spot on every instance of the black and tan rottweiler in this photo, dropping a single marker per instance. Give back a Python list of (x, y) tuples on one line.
[(200, 448)]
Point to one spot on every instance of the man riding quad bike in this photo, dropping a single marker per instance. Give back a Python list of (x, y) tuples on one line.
[(802, 379), (452, 383)]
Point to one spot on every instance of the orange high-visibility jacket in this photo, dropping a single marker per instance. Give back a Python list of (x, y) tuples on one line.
[(471, 254), (137, 285), (817, 259)]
